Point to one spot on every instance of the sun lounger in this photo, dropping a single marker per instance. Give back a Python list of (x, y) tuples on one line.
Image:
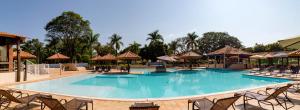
[(74, 104), (206, 104), (264, 97), (144, 106), (7, 96)]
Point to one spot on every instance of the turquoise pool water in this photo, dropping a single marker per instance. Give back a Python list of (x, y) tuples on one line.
[(153, 85), (149, 70)]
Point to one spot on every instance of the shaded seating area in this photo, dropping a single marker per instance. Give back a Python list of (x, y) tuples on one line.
[(190, 57), (128, 57), (230, 56), (7, 40)]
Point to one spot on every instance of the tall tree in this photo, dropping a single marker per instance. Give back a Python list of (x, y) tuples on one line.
[(155, 37), (115, 42), (69, 29), (91, 42), (212, 41), (191, 41)]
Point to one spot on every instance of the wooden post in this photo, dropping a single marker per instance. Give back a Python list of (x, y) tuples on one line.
[(26, 70), (287, 61), (298, 61), (128, 61), (18, 74), (60, 69), (215, 61), (224, 58)]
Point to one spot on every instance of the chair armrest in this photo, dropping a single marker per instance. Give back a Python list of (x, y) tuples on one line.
[(214, 100), (63, 101), (15, 92), (262, 92)]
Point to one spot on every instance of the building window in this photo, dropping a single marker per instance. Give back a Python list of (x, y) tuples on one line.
[(3, 54)]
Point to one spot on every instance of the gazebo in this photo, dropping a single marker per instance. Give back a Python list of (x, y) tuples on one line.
[(24, 55), (229, 51), (259, 58), (7, 40), (190, 56), (128, 56), (108, 57), (166, 58), (96, 58)]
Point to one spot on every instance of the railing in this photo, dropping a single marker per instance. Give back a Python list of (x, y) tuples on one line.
[(37, 69)]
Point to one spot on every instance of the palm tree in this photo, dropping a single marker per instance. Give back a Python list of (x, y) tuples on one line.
[(173, 46), (155, 37), (115, 42), (134, 47), (91, 42), (191, 40)]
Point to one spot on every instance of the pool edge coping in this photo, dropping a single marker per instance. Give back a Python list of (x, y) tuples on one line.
[(153, 99)]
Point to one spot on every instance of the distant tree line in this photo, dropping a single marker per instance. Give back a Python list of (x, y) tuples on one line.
[(72, 35)]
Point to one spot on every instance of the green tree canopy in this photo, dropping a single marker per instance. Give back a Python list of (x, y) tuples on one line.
[(35, 47), (212, 41), (68, 33)]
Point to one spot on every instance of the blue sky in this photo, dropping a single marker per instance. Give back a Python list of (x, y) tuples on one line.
[(252, 21)]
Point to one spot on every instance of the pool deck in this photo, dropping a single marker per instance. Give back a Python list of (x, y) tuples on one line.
[(176, 104)]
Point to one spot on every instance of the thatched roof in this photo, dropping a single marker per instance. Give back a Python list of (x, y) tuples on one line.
[(128, 56), (295, 53), (190, 55), (228, 50), (258, 57), (166, 58), (58, 56), (24, 55), (292, 43), (14, 36), (108, 57), (96, 58)]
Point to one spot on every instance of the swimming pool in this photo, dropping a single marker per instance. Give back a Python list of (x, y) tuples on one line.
[(154, 85)]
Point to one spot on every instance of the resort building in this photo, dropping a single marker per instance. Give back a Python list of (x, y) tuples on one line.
[(7, 41), (291, 43)]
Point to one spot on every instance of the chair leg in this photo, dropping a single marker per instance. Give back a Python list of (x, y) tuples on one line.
[(281, 103)]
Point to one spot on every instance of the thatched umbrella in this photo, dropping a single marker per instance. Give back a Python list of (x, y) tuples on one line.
[(166, 58), (96, 58), (24, 55), (108, 57), (190, 56), (281, 55), (58, 56), (295, 54), (258, 57), (128, 56)]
